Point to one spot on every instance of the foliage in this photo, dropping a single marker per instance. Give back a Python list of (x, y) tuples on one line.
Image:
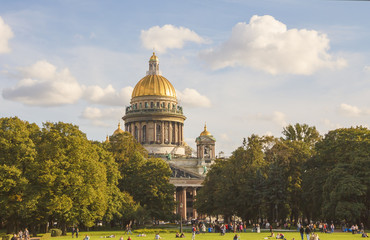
[(71, 177), (294, 177), (17, 164), (340, 175), (145, 179)]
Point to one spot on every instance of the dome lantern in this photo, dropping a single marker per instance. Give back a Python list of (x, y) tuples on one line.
[(154, 84)]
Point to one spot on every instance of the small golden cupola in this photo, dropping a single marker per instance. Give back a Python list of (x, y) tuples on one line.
[(118, 130), (205, 132)]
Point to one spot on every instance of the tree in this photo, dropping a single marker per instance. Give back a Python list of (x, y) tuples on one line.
[(338, 175), (71, 178), (234, 186), (17, 164), (145, 179)]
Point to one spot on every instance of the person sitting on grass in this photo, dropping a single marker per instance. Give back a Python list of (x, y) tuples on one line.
[(121, 238), (236, 237), (272, 234), (364, 235), (177, 235), (157, 236), (129, 238), (280, 236), (182, 235)]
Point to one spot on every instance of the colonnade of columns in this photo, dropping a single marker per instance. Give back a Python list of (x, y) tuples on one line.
[(185, 196), (159, 132)]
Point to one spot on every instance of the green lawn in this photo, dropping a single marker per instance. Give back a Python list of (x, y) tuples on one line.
[(97, 235)]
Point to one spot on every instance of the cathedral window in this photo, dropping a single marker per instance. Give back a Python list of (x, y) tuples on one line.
[(157, 104), (169, 104), (146, 105), (140, 105), (151, 105)]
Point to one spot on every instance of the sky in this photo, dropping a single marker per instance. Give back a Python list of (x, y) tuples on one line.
[(241, 67)]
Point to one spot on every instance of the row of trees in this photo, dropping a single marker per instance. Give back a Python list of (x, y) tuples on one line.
[(55, 174), (301, 175)]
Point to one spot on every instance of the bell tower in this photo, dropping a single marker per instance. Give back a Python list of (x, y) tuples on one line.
[(206, 146)]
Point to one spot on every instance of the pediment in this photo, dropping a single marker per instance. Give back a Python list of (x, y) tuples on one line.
[(182, 173)]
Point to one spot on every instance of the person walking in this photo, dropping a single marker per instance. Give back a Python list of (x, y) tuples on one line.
[(301, 231), (307, 231), (193, 231), (26, 234), (128, 229)]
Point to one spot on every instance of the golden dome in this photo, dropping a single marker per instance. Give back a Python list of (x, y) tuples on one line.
[(118, 130), (156, 85), (205, 132)]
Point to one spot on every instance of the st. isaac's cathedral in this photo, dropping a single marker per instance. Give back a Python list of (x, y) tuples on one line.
[(156, 120)]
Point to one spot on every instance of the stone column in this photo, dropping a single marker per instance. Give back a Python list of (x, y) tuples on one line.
[(155, 131), (170, 132), (183, 203), (132, 129), (175, 198), (162, 133), (195, 214), (176, 133), (182, 132), (139, 132)]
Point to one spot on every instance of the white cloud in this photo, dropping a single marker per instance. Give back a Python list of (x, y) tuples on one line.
[(266, 44), (168, 36), (192, 98), (100, 116), (276, 117), (42, 85), (5, 35), (353, 111), (108, 95)]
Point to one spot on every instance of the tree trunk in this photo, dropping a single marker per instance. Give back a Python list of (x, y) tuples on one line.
[(64, 228)]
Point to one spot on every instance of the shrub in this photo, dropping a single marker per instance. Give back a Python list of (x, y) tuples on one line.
[(6, 237), (55, 232)]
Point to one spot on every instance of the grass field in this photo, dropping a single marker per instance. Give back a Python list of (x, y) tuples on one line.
[(97, 235)]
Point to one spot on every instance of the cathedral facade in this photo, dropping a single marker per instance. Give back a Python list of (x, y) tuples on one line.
[(156, 120)]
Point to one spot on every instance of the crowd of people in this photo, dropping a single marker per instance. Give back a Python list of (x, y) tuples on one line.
[(25, 234), (307, 231)]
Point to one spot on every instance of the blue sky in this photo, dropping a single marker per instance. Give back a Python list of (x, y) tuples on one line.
[(243, 67)]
